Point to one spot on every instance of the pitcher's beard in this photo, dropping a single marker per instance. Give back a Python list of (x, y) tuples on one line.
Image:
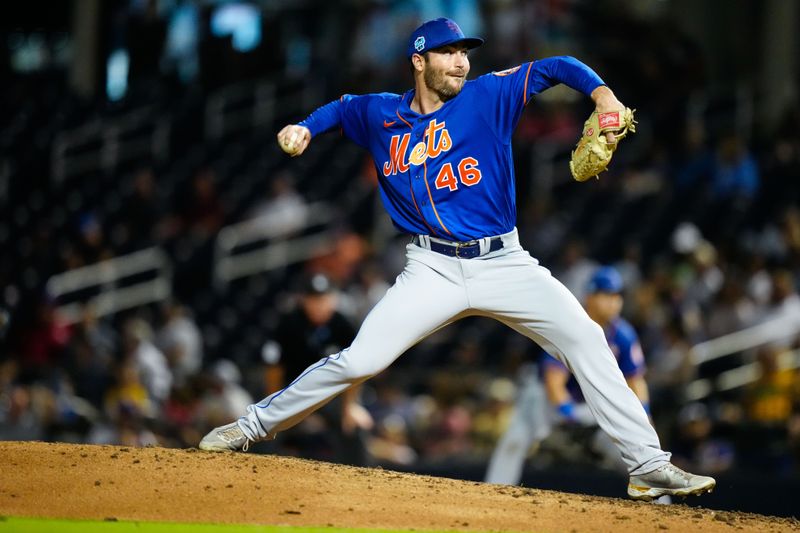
[(436, 81)]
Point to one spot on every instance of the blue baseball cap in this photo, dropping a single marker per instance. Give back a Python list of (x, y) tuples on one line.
[(436, 33), (605, 279)]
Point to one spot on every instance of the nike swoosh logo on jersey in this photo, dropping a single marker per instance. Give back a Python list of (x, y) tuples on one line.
[(386, 123)]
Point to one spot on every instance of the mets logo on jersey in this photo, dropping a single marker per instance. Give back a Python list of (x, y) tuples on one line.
[(507, 71), (436, 141)]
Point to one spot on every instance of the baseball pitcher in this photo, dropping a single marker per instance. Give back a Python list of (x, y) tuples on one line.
[(443, 156)]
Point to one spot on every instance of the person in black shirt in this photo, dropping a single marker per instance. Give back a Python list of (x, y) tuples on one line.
[(312, 330)]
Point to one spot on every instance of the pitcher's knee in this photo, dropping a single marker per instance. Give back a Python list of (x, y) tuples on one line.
[(357, 368), (586, 335)]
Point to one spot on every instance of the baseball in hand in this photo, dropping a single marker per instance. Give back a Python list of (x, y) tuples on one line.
[(290, 143), (291, 140)]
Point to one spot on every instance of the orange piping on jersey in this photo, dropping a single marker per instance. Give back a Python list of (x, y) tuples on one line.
[(410, 188), (397, 112), (435, 212), (525, 92), (414, 199)]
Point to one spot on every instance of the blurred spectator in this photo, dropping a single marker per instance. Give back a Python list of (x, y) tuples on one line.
[(693, 164), (390, 443), (784, 300), (128, 429), (696, 446), (128, 394), (142, 211), (735, 173), (369, 287), (148, 361), (759, 284), (448, 438), (43, 337), (225, 398), (182, 415), (92, 246), (180, 341), (26, 412), (18, 418), (770, 399), (575, 268), (494, 413), (341, 262), (704, 277), (541, 229), (629, 267), (202, 213), (769, 403), (90, 355), (391, 399), (730, 310), (283, 212), (669, 366)]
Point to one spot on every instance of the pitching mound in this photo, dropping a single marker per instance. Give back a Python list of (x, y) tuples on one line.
[(159, 484)]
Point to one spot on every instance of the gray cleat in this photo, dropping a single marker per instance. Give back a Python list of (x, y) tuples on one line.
[(225, 438), (668, 480)]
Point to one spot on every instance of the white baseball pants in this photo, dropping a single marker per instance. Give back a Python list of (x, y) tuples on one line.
[(435, 290)]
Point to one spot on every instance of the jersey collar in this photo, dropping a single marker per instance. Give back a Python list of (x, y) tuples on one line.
[(408, 114)]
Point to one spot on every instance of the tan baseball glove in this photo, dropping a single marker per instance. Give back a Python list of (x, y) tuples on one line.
[(594, 152)]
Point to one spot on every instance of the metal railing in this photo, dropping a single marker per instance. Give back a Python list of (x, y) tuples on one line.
[(778, 329), (104, 144), (247, 248), (738, 377), (112, 285)]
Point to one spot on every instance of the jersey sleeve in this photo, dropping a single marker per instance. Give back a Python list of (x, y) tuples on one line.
[(631, 356), (350, 113), (510, 90)]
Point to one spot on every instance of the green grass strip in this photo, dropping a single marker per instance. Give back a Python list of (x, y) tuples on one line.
[(46, 525)]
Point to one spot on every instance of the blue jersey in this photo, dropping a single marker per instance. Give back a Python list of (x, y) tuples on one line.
[(624, 344), (450, 173)]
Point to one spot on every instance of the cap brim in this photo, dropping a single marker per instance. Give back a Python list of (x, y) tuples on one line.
[(469, 42)]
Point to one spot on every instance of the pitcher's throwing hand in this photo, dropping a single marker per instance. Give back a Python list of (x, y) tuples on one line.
[(294, 139)]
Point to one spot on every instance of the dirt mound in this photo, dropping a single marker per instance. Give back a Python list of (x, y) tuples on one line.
[(159, 484)]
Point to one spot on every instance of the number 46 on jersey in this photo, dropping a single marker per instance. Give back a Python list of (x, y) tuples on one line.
[(437, 141)]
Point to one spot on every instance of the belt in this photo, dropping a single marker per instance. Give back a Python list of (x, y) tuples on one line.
[(462, 250)]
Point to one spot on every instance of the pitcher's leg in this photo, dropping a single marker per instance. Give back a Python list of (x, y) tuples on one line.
[(526, 297), (421, 301)]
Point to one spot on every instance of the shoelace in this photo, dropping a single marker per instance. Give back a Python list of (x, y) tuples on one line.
[(675, 470), (685, 477), (235, 433), (231, 434)]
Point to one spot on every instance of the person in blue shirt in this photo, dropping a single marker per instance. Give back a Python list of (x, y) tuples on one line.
[(442, 152), (553, 396)]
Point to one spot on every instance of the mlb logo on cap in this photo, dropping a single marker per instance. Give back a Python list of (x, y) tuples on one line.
[(437, 33)]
